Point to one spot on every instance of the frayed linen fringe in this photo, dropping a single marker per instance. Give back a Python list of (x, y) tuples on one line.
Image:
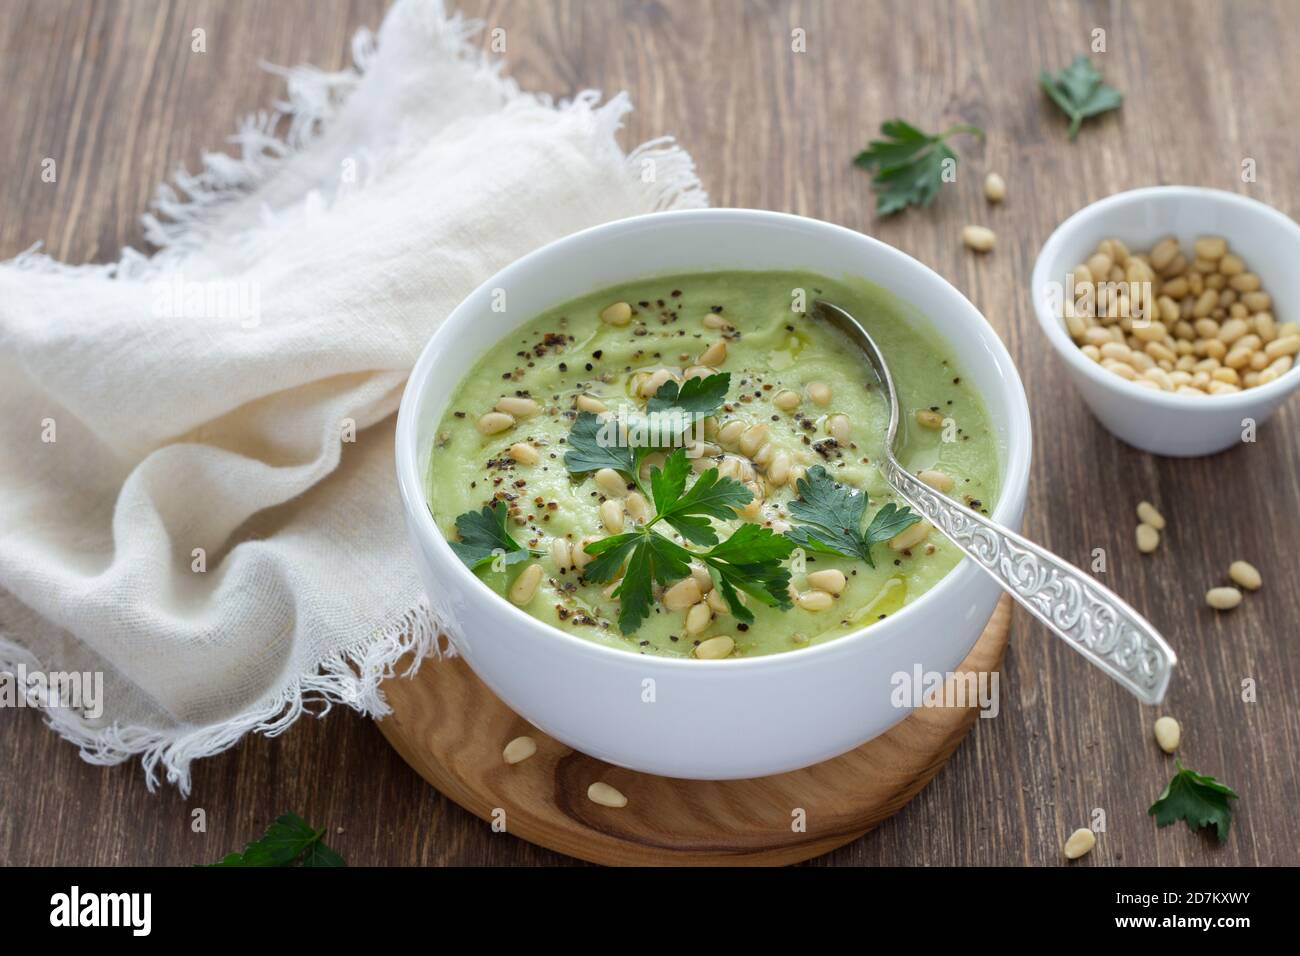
[(352, 677), (181, 217)]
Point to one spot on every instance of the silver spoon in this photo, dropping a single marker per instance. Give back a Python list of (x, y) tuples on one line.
[(1089, 617)]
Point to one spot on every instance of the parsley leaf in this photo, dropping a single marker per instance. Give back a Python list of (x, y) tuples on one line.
[(1079, 91), (594, 444), (289, 841), (710, 497), (483, 536), (750, 561), (830, 516), (908, 165), (696, 396), (1201, 801)]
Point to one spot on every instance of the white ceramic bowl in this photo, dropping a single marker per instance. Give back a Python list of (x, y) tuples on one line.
[(1162, 422), (708, 719)]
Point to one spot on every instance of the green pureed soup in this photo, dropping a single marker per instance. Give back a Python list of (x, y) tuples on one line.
[(688, 465)]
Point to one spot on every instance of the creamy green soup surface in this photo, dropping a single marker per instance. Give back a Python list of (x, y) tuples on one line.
[(771, 351)]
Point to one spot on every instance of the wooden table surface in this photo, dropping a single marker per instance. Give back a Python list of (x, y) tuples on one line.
[(114, 94)]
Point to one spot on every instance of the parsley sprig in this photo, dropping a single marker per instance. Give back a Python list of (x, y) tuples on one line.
[(1080, 92), (483, 537), (594, 442), (830, 516), (749, 561), (908, 165), (1200, 800), (289, 841)]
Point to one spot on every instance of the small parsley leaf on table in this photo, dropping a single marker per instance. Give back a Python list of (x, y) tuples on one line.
[(483, 536), (907, 164), (289, 841), (830, 518), (1080, 92), (1200, 800)]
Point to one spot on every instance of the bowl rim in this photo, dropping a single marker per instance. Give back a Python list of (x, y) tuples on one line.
[(1010, 496), (1054, 328)]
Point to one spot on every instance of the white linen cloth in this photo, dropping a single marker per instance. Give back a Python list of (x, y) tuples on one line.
[(205, 397)]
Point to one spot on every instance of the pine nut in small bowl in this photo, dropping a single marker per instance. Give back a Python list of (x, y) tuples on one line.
[(1176, 311)]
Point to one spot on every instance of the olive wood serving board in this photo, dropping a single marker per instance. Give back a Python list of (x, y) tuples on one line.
[(451, 729)]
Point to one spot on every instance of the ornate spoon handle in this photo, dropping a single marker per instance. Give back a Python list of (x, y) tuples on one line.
[(1091, 618)]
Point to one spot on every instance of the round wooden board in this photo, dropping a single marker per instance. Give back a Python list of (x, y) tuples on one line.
[(448, 726)]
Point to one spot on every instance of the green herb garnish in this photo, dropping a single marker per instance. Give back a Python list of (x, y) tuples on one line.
[(1080, 92), (1201, 801), (830, 516), (749, 561), (289, 841), (908, 165), (696, 396), (483, 537), (595, 443)]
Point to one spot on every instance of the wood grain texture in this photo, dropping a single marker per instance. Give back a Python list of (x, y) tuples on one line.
[(451, 729), (112, 92)]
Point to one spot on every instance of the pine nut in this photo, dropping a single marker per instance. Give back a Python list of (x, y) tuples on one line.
[(698, 371), (589, 403), (1163, 253), (605, 795), (797, 474), (778, 469), (524, 453), (1148, 514), (753, 438), (518, 407), (1223, 599), (682, 595), (580, 557), (714, 355), (831, 580), (1210, 247), (928, 419), (1245, 282), (1246, 575), (702, 578), (764, 455), (611, 515), (519, 750), (980, 238), (910, 537), (787, 400), (611, 483), (815, 600), (562, 554), (494, 422), (1285, 345), (729, 434), (751, 511), (837, 426), (995, 189), (938, 480), (620, 313), (715, 648), (820, 393), (1168, 734), (1148, 538), (1080, 843), (655, 381), (525, 586), (698, 617), (637, 506)]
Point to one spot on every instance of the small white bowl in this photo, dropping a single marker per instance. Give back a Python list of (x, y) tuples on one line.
[(1162, 422), (747, 717)]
